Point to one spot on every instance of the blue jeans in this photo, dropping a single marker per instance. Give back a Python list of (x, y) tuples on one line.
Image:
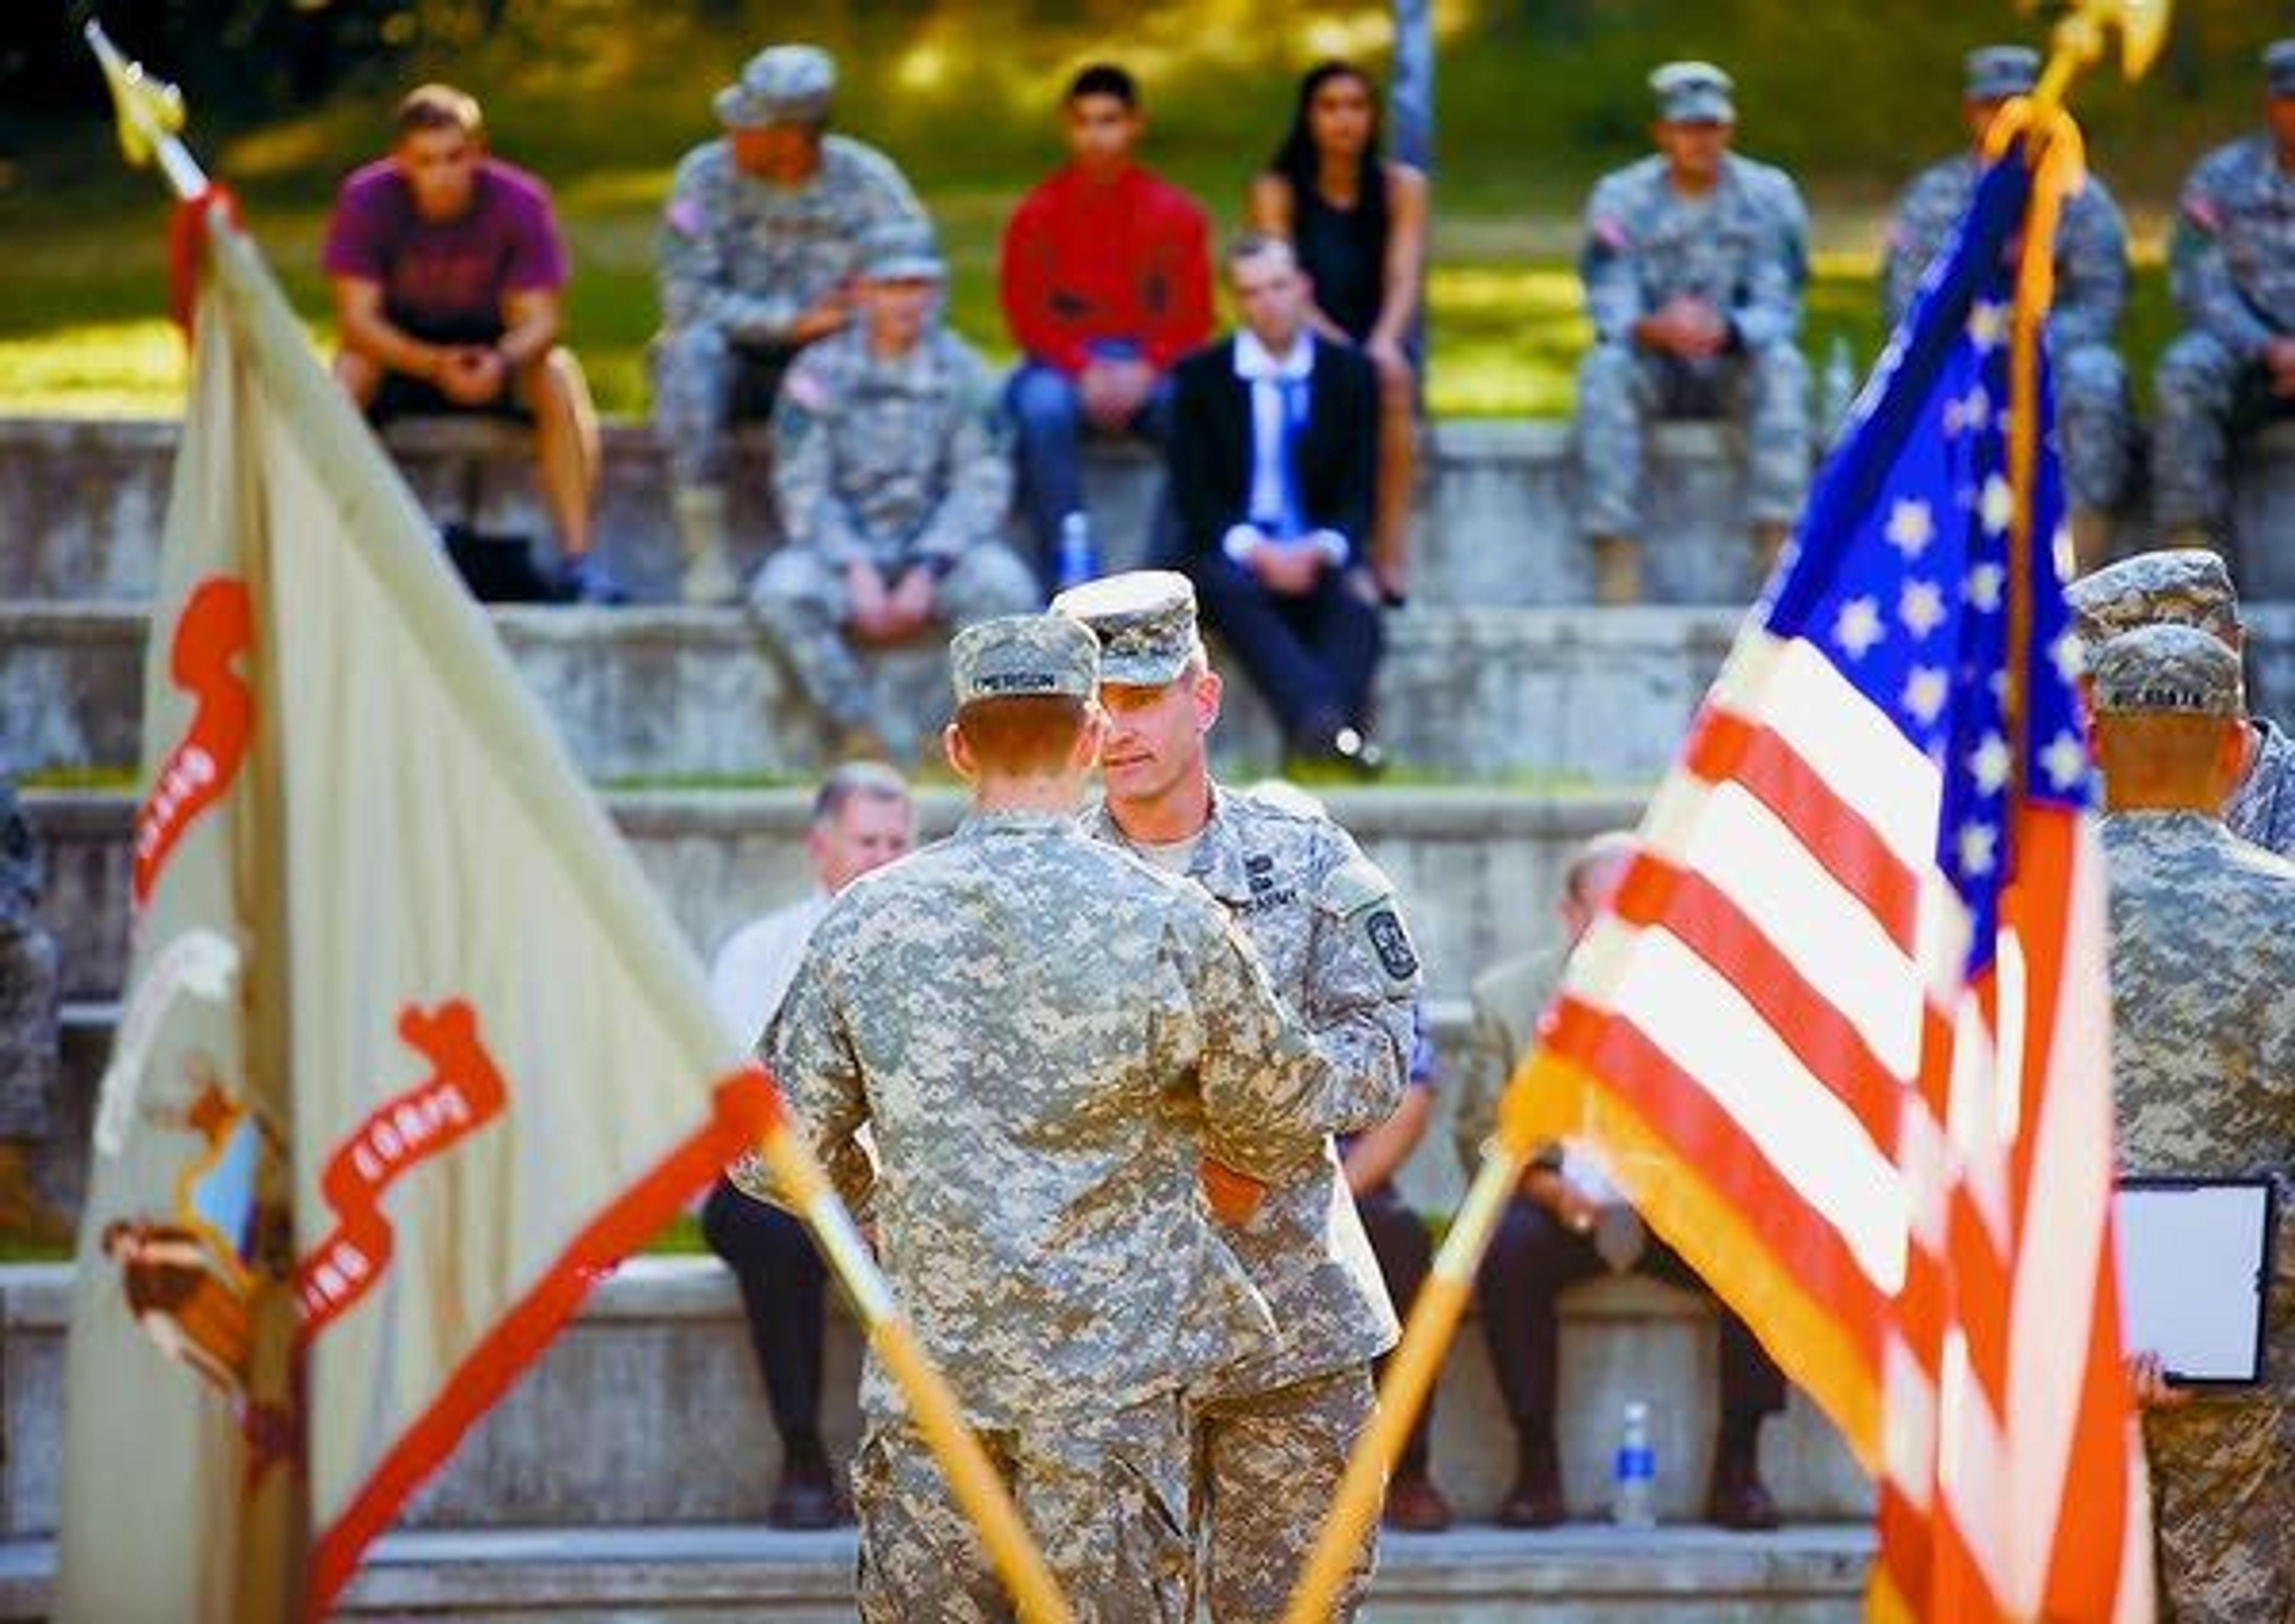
[(1048, 421)]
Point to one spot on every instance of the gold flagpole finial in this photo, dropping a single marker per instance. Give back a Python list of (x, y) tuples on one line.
[(2083, 32), (150, 112)]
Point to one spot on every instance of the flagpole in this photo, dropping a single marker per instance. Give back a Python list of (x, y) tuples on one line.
[(150, 112)]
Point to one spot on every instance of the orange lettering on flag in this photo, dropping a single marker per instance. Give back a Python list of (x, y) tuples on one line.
[(218, 626), (463, 1092)]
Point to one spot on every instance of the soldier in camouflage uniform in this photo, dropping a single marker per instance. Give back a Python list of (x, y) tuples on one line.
[(2095, 428), (1694, 265), (2202, 959), (1050, 1041), (2232, 269), (1274, 1436), (757, 249), (27, 1001), (2190, 586), (892, 479)]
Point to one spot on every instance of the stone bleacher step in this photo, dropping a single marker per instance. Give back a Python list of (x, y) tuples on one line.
[(1593, 696), (717, 1575), (674, 1429), (1496, 524)]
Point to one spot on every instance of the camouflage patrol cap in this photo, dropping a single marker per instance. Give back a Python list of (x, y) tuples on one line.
[(779, 85), (1694, 92), (1993, 73), (901, 251), (2178, 670), (1023, 657), (1145, 621), (2279, 67), (2183, 586)]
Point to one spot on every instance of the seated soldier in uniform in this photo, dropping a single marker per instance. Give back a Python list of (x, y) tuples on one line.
[(448, 273), (1567, 1222), (890, 473), (1694, 265)]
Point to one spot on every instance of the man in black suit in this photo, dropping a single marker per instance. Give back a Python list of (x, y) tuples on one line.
[(1273, 448)]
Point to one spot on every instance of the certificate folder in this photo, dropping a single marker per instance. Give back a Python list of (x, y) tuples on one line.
[(2194, 1275)]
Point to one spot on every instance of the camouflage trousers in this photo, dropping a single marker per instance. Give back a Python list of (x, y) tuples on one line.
[(1104, 1495), (1266, 1471), (704, 382), (2204, 396), (28, 1026), (1621, 389), (2095, 426), (2223, 1495), (799, 600)]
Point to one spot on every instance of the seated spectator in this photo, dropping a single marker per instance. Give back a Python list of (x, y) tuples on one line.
[(1406, 1255), (1359, 225), (2095, 428), (862, 820), (1106, 284), (758, 244), (1274, 434), (448, 270), (30, 1026), (1694, 265), (890, 474), (1566, 1223), (2232, 270)]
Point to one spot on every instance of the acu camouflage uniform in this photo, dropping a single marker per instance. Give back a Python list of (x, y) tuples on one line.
[(2191, 586), (2096, 428), (899, 462), (1046, 1037), (29, 983), (1274, 1435), (1743, 250), (2232, 269), (740, 260), (2202, 964)]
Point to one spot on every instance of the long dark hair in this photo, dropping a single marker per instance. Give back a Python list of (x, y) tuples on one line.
[(1297, 161)]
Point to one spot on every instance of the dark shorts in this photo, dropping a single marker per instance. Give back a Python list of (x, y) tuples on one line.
[(403, 394)]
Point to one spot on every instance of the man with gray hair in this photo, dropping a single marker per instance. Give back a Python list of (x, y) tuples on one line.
[(2191, 586), (2094, 422), (2203, 1060), (863, 819), (1566, 1222), (759, 242)]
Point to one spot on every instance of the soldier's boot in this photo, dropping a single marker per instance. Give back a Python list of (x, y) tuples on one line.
[(1769, 538), (702, 539), (2091, 530), (1617, 570)]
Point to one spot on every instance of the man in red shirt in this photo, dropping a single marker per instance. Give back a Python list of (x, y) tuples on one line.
[(1106, 282)]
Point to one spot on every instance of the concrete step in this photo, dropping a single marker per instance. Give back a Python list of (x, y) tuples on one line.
[(81, 502), (720, 1575), (673, 1427), (1592, 695)]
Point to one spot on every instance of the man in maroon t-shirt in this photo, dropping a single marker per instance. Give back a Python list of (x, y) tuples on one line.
[(1107, 281), (447, 265)]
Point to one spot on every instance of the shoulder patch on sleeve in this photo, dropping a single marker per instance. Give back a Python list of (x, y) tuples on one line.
[(683, 217), (2200, 209), (803, 385), (1392, 942)]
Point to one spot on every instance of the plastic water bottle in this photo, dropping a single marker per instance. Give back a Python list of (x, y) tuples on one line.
[(1078, 561), (1633, 1486)]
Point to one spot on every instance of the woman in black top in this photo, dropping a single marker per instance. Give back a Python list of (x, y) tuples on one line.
[(1359, 225)]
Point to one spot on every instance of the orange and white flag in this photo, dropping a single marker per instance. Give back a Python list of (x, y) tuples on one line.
[(410, 1053)]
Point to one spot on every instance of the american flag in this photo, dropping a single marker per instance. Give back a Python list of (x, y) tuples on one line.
[(1845, 1033)]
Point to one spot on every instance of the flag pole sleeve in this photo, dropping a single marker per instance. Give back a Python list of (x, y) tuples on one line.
[(932, 1402), (1434, 1321)]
